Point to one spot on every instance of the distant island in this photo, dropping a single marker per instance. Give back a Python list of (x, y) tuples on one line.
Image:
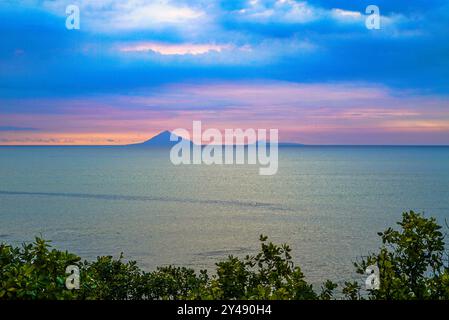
[(162, 140)]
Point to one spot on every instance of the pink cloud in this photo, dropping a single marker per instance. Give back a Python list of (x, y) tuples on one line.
[(307, 113), (172, 49)]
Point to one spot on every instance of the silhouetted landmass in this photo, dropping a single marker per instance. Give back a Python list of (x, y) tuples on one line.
[(163, 140)]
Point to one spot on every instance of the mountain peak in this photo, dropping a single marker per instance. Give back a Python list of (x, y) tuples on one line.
[(162, 139), (161, 135)]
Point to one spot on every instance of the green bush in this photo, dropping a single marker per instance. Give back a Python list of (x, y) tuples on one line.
[(34, 272), (270, 274), (410, 260)]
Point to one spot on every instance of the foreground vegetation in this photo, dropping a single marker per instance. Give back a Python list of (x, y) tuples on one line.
[(412, 264)]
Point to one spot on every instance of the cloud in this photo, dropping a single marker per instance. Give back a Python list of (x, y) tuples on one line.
[(12, 128), (346, 15), (319, 113), (112, 15), (181, 41), (285, 11), (172, 49), (131, 17)]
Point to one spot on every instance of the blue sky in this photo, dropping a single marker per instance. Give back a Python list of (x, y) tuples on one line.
[(159, 64)]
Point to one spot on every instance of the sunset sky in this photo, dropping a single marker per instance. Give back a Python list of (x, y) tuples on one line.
[(308, 68)]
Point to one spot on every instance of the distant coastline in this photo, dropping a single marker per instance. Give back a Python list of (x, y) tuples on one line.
[(162, 139)]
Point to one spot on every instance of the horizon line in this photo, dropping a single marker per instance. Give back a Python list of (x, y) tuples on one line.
[(281, 144)]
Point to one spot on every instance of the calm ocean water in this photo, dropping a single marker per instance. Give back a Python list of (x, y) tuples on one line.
[(328, 203)]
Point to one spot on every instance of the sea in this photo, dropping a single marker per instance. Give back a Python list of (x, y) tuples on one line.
[(327, 202)]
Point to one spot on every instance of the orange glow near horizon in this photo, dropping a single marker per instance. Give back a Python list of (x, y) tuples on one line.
[(309, 114)]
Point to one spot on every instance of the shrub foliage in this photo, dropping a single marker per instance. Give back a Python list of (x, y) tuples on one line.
[(412, 264)]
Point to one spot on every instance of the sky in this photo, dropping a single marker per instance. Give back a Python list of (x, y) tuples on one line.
[(311, 69)]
